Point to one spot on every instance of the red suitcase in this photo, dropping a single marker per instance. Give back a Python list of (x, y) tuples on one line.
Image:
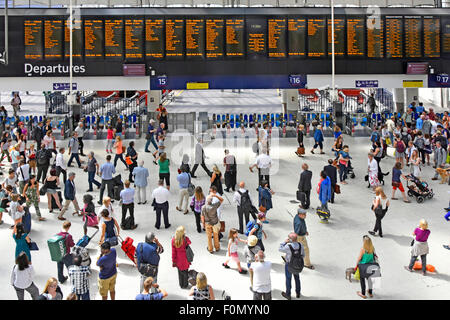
[(128, 247)]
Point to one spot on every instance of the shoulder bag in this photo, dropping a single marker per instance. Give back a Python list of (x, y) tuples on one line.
[(146, 269), (191, 188), (189, 254)]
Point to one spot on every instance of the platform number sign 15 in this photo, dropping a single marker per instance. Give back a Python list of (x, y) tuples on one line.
[(297, 80)]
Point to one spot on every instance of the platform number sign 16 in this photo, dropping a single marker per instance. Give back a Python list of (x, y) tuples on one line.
[(297, 80)]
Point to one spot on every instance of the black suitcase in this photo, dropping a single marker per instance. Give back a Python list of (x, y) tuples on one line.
[(54, 205), (127, 223), (301, 196), (117, 190)]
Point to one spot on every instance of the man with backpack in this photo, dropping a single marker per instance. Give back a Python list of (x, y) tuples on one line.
[(244, 206), (43, 157), (301, 230), (66, 260), (294, 264)]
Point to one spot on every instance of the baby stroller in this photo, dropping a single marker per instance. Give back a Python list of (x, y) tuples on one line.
[(418, 189)]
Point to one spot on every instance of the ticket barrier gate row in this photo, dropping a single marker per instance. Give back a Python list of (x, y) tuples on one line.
[(96, 126)]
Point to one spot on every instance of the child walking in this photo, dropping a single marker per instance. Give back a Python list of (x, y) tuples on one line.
[(233, 241)]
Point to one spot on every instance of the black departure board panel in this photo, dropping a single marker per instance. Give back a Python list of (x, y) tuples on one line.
[(431, 37), (113, 38), (256, 37), (33, 32), (446, 35), (195, 38), (234, 37), (53, 39), (174, 38), (276, 35), (154, 38), (394, 37), (413, 37), (339, 37), (316, 37), (297, 37), (356, 36), (134, 39), (214, 38), (77, 39), (93, 38), (375, 37)]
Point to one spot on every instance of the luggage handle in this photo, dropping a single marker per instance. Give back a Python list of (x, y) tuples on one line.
[(93, 235)]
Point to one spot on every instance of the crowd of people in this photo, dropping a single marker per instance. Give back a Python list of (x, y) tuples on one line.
[(37, 167)]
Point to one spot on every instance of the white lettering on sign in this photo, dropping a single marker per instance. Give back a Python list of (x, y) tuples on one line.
[(41, 70)]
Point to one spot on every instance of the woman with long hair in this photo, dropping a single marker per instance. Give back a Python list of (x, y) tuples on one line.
[(51, 290), (216, 179), (380, 206), (22, 277), (420, 246), (366, 255), (201, 290), (197, 202), (51, 183), (119, 151), (415, 163), (179, 259), (164, 171), (22, 241)]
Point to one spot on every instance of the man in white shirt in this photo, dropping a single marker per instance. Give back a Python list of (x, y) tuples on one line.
[(263, 162), (23, 174), (262, 284), (390, 124), (373, 171), (60, 165), (161, 203), (80, 131)]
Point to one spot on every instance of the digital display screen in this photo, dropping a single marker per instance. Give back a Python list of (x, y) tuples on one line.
[(297, 37), (134, 39), (195, 38), (394, 37), (256, 37), (413, 37), (356, 37), (113, 38), (339, 37), (235, 46), (33, 39), (375, 38), (77, 39), (214, 38), (431, 37), (154, 38), (316, 37), (174, 38), (276, 28), (93, 38), (53, 39)]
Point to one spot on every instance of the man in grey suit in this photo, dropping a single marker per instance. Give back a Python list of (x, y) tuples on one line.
[(304, 185), (200, 159)]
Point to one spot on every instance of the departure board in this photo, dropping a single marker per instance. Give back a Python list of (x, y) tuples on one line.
[(195, 38), (93, 38), (276, 29), (214, 38), (339, 36), (113, 38), (316, 37), (446, 35), (77, 39), (256, 37), (234, 40), (413, 37), (375, 38), (53, 39), (33, 39), (134, 39), (394, 37), (154, 38), (174, 38), (431, 37), (356, 37), (296, 37)]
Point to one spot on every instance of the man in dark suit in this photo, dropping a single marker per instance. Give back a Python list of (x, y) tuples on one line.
[(70, 196), (331, 172), (304, 185)]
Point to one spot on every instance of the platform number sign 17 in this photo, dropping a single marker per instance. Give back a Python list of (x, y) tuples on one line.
[(442, 78)]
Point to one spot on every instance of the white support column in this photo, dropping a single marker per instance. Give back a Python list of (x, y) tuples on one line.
[(289, 100), (399, 99), (153, 100)]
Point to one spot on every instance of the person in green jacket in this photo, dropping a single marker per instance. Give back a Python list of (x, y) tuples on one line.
[(366, 255), (164, 172)]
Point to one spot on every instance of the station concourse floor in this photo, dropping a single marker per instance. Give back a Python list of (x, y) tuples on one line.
[(333, 246)]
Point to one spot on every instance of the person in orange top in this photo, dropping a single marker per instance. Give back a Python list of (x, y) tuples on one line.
[(119, 152)]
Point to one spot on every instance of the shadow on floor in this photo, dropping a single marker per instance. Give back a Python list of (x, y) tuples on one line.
[(404, 241)]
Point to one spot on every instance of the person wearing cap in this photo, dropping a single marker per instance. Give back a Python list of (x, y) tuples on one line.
[(80, 132), (301, 231), (250, 252), (258, 230), (69, 195), (148, 253), (150, 137), (285, 247)]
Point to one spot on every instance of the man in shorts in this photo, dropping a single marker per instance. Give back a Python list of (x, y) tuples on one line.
[(108, 271)]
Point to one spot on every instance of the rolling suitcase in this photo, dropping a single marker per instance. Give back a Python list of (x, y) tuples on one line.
[(128, 247), (54, 205), (301, 196), (26, 220), (84, 241)]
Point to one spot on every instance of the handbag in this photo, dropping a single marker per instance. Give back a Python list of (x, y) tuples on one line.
[(301, 150), (147, 136), (357, 275), (92, 220), (112, 241), (189, 254), (388, 140), (222, 226), (33, 246), (191, 188), (147, 269), (337, 189)]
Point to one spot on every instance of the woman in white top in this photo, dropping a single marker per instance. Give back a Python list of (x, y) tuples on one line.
[(22, 278), (380, 206), (108, 206), (415, 163)]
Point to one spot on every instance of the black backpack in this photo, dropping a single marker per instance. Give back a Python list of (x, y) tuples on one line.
[(296, 264), (127, 223), (42, 157), (246, 204)]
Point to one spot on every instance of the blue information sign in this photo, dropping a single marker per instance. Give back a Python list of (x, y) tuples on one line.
[(64, 86), (297, 80), (439, 80), (366, 83)]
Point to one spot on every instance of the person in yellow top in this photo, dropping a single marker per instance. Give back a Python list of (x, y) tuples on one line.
[(119, 151)]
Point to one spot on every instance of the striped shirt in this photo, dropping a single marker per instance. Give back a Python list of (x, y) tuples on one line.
[(79, 279)]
